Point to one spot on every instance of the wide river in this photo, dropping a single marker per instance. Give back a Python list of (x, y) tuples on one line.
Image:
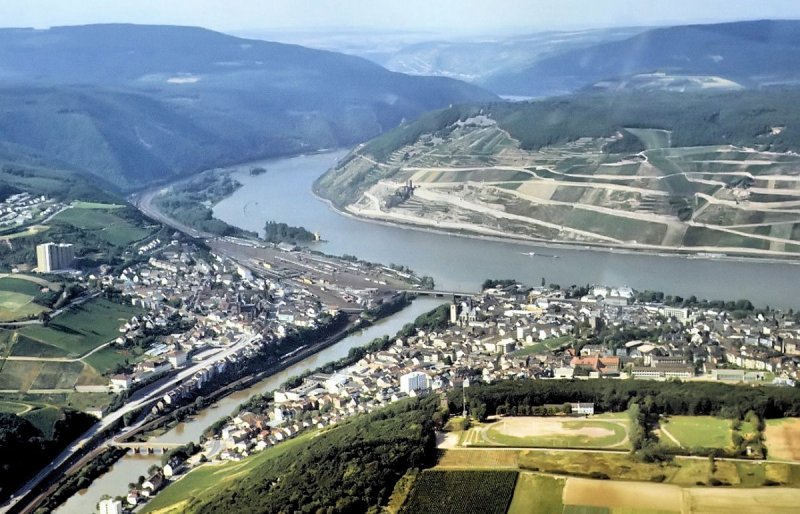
[(128, 469), (459, 263)]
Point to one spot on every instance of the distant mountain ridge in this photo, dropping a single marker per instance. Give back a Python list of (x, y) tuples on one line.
[(135, 104), (752, 53)]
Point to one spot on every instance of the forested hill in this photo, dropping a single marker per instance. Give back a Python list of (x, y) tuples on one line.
[(135, 104), (751, 53), (695, 119)]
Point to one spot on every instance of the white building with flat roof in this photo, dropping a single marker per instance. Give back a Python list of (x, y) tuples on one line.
[(53, 257), (414, 381), (110, 506)]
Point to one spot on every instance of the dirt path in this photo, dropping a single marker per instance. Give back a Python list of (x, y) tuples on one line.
[(670, 436)]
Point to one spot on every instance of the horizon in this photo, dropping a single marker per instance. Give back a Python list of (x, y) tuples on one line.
[(411, 17)]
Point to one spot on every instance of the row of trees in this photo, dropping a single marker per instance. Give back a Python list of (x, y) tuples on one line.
[(663, 398), (275, 232)]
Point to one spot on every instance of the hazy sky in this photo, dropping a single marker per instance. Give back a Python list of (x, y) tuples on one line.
[(443, 16)]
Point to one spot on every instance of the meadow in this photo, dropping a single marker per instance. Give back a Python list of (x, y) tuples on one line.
[(697, 431), (104, 223)]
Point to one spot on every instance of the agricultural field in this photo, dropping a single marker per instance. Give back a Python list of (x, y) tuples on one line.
[(682, 471), (537, 493), (696, 432), (46, 375), (479, 458), (783, 439), (634, 487), (82, 328), (478, 178), (16, 298), (551, 432), (461, 492)]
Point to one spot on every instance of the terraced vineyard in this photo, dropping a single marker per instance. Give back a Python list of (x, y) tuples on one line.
[(474, 176)]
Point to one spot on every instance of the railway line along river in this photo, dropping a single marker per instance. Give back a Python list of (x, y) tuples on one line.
[(128, 469)]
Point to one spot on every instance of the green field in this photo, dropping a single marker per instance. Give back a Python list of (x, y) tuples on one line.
[(106, 359), (19, 285), (13, 407), (104, 223), (461, 492), (537, 493), (96, 205), (697, 431), (83, 328), (17, 306), (27, 347), (544, 346)]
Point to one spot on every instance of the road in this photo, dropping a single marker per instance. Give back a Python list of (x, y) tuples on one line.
[(141, 398), (144, 202)]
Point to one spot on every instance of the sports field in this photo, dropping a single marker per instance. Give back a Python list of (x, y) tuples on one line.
[(551, 432)]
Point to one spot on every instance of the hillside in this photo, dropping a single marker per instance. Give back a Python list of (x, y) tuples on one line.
[(693, 172), (752, 53), (351, 467), (139, 104)]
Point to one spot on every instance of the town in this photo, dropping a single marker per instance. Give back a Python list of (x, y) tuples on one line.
[(510, 331)]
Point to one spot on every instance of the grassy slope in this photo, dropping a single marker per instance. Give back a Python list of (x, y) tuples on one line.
[(84, 327), (352, 465)]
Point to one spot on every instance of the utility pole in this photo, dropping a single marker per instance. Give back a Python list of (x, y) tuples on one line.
[(463, 400)]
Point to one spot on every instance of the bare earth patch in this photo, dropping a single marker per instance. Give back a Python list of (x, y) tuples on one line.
[(543, 427), (783, 439), (624, 495)]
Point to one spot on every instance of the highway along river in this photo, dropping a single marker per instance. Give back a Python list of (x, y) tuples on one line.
[(459, 263), (128, 469)]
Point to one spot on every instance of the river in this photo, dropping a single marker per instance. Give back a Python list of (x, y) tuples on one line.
[(128, 469), (461, 263)]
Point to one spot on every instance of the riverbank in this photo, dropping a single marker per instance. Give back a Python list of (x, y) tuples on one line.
[(701, 252)]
